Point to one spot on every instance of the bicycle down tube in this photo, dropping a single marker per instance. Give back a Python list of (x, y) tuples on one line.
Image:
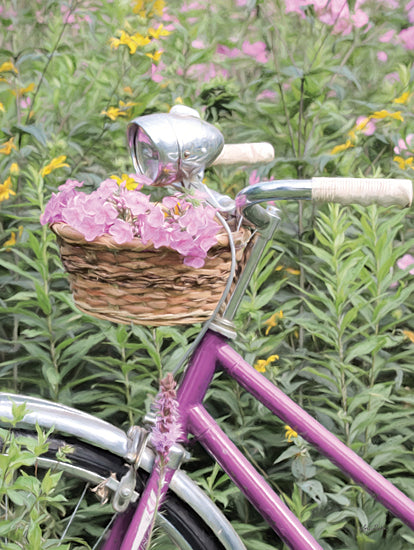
[(214, 352)]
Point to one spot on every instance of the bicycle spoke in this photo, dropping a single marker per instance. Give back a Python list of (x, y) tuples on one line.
[(95, 546), (72, 517)]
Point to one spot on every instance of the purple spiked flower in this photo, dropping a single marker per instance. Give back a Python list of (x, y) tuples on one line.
[(167, 430)]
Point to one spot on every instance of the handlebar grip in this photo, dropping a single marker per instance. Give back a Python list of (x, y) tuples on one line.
[(245, 153), (364, 191)]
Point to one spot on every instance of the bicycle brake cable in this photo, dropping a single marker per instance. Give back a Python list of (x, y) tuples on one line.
[(226, 291)]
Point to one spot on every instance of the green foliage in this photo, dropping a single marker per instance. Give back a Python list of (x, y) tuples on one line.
[(26, 502), (328, 297)]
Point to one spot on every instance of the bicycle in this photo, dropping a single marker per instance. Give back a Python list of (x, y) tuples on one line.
[(166, 148)]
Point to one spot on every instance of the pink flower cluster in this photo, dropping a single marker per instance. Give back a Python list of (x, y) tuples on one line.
[(167, 430), (178, 222), (405, 262), (332, 12), (338, 14)]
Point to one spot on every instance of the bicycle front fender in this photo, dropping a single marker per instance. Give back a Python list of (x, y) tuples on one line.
[(103, 435)]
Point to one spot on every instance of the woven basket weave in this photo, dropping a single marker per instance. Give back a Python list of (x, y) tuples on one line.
[(133, 283)]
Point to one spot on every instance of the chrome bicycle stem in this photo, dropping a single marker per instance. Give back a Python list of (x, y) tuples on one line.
[(266, 220)]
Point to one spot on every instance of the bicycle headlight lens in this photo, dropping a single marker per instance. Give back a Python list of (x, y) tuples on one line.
[(146, 155)]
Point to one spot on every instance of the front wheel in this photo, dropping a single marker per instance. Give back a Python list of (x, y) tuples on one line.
[(86, 522)]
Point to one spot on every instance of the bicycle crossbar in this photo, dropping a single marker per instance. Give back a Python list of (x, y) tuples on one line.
[(214, 352), (316, 434)]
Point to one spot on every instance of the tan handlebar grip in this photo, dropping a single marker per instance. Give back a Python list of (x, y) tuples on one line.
[(385, 192), (246, 153)]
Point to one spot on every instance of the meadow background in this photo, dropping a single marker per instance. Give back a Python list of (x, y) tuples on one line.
[(329, 314)]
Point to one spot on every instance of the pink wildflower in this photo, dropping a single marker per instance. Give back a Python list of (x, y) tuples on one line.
[(388, 36), (404, 145), (407, 38), (156, 72), (254, 177), (228, 52), (382, 56), (360, 19), (167, 430), (257, 50), (266, 94), (405, 262), (198, 44), (369, 125)]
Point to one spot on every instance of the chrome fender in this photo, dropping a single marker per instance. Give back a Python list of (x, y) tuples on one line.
[(97, 432)]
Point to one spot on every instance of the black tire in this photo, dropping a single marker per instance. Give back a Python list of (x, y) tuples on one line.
[(184, 521)]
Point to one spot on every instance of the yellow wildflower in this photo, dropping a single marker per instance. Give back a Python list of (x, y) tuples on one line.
[(292, 271), (156, 33), (113, 113), (6, 190), (7, 147), (342, 147), (272, 321), (128, 90), (179, 101), (12, 241), (7, 67), (261, 364), (404, 163), (409, 334), (145, 9), (385, 114), (14, 168), (124, 106), (362, 124), (358, 128), (54, 164), (130, 183), (2, 107), (155, 56), (403, 98), (290, 433), (25, 90), (132, 42), (279, 267)]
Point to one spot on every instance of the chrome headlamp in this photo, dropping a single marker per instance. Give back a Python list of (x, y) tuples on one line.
[(174, 146)]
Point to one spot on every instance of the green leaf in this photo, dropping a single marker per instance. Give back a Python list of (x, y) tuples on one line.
[(34, 130)]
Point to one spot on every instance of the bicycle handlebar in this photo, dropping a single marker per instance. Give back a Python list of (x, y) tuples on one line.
[(245, 153), (364, 191)]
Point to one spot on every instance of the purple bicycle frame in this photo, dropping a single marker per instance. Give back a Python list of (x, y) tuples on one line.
[(214, 353)]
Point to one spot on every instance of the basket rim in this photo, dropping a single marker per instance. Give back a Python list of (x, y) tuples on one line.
[(75, 237)]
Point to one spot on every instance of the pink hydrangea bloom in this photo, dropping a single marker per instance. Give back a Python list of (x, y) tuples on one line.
[(122, 231), (187, 226)]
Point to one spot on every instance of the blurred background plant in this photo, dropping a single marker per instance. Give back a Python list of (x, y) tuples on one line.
[(329, 314)]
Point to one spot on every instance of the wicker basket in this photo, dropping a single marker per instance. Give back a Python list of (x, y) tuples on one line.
[(133, 283)]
